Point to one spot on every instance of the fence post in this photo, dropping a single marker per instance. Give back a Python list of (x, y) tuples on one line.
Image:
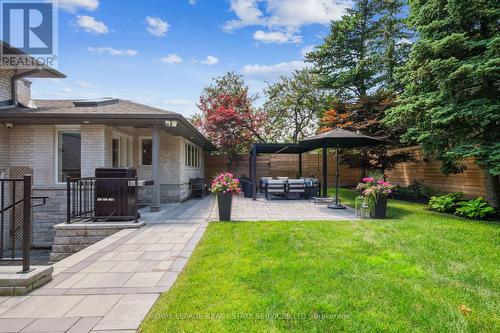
[(26, 224), (2, 215), (136, 181), (68, 199)]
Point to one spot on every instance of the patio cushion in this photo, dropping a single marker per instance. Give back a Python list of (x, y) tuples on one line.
[(296, 185), (276, 186)]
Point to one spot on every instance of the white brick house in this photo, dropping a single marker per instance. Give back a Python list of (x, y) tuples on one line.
[(60, 138)]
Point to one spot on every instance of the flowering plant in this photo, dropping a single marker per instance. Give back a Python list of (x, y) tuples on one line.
[(225, 183), (373, 188)]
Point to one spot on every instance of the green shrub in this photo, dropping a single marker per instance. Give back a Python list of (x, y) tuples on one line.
[(445, 203), (474, 209)]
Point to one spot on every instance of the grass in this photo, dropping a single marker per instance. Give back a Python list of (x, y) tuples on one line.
[(417, 271)]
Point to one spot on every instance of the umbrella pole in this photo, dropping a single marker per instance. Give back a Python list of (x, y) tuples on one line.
[(325, 171), (336, 204)]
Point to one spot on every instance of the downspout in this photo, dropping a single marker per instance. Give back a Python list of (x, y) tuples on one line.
[(14, 80)]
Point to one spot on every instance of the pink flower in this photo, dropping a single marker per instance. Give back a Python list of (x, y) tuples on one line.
[(225, 183)]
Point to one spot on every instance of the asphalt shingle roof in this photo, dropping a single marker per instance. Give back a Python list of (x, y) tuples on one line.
[(121, 107)]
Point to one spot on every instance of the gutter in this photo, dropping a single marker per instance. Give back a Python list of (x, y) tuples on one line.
[(14, 85), (7, 107)]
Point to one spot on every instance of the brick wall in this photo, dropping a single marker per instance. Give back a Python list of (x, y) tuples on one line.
[(95, 139), (23, 91), (35, 147), (186, 173), (5, 84), (174, 175), (4, 147)]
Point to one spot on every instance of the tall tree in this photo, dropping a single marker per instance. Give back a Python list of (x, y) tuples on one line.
[(394, 40), (346, 61), (451, 100), (360, 54), (227, 117), (357, 62), (293, 107)]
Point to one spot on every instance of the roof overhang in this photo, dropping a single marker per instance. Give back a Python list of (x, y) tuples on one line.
[(32, 72), (184, 128), (43, 73)]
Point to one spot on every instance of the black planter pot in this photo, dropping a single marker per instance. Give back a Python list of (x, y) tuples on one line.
[(380, 211), (225, 201)]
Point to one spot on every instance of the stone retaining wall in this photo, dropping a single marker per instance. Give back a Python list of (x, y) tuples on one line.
[(71, 238)]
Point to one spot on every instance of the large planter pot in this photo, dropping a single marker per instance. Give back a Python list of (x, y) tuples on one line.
[(225, 201), (380, 209)]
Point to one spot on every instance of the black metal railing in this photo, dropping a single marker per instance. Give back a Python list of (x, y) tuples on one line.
[(102, 199), (15, 214)]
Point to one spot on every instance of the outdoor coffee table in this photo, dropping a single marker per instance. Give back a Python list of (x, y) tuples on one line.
[(321, 200)]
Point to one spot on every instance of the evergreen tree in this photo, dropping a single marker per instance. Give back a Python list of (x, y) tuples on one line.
[(393, 40), (345, 61), (359, 55), (451, 99)]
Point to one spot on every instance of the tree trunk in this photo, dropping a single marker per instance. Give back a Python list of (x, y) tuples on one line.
[(492, 186)]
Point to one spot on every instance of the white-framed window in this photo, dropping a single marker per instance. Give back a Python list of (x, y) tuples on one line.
[(68, 154), (192, 156), (145, 150), (122, 150)]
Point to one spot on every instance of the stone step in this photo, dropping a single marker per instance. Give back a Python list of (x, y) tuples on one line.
[(55, 257), (77, 240), (85, 232), (68, 248)]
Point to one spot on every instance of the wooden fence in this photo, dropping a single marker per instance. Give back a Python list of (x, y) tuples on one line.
[(284, 165), (471, 182)]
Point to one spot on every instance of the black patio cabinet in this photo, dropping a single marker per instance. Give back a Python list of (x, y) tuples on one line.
[(115, 193)]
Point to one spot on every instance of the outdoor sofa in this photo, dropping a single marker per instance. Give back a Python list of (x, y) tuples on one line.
[(284, 187)]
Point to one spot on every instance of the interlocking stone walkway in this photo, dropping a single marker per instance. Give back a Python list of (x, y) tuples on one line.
[(111, 285)]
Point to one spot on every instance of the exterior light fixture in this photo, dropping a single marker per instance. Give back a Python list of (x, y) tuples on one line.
[(170, 123), (86, 122)]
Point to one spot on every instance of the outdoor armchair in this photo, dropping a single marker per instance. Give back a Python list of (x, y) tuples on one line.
[(198, 187), (263, 182)]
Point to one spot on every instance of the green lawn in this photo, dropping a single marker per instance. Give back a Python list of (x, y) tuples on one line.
[(415, 272)]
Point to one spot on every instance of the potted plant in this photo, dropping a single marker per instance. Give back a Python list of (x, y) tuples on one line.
[(375, 192), (224, 186)]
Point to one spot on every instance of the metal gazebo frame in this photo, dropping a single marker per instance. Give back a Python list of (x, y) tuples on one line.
[(336, 138)]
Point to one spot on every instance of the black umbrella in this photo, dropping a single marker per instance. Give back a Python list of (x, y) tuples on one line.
[(337, 138)]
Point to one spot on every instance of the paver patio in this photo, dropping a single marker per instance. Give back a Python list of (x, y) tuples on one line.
[(246, 209), (111, 285)]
